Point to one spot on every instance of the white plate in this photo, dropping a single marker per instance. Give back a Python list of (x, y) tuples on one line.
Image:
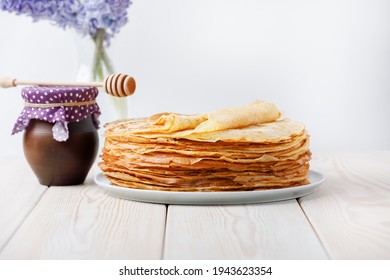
[(210, 198)]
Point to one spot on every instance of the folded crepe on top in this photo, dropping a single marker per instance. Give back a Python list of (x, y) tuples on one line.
[(254, 113), (236, 149)]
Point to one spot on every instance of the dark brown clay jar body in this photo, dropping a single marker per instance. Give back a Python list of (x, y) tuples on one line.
[(61, 163)]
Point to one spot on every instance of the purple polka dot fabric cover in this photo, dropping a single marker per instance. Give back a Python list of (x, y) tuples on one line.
[(59, 115)]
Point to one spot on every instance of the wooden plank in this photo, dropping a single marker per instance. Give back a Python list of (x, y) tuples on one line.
[(20, 192), (83, 222), (258, 231), (351, 210)]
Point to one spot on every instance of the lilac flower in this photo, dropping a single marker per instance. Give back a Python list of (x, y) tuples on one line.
[(35, 9), (105, 14), (85, 16), (69, 14)]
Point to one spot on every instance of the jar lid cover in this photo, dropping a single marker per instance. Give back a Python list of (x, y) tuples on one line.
[(58, 105)]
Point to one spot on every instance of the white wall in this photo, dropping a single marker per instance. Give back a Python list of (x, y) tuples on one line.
[(324, 63)]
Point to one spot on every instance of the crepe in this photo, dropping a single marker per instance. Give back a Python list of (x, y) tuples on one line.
[(170, 122), (236, 149), (254, 113)]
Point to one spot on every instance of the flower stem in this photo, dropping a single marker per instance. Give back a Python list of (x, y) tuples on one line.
[(107, 62), (97, 67), (100, 58)]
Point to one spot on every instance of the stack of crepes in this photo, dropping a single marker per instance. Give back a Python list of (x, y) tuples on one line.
[(237, 149)]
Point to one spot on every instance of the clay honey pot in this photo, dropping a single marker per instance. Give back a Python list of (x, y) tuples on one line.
[(60, 139)]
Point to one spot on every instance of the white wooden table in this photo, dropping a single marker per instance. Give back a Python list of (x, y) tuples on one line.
[(348, 217)]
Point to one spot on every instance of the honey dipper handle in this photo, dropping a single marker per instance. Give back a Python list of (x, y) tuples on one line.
[(6, 82)]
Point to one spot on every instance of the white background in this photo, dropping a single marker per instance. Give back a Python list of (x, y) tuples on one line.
[(324, 63)]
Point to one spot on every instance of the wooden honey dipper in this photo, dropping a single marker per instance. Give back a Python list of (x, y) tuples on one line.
[(119, 85)]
